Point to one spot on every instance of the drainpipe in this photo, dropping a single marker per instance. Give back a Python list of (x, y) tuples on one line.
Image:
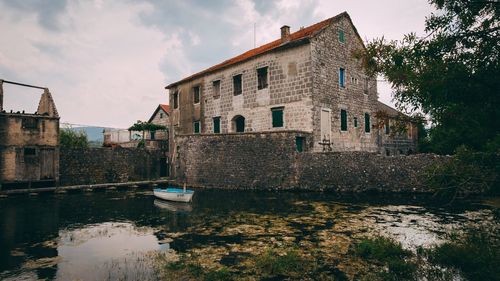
[(1, 95)]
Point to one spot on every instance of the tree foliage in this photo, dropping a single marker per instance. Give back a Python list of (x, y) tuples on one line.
[(452, 74), (73, 139), (146, 126)]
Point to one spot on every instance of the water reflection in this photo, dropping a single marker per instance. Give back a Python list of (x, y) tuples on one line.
[(114, 234), (98, 251), (176, 207)]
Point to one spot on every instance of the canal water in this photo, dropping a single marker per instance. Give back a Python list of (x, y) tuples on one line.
[(118, 235)]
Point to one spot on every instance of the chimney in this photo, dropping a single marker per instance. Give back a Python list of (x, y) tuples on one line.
[(285, 33), (1, 95)]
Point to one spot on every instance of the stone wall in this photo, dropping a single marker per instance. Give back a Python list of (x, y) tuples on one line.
[(271, 161), (250, 160), (105, 165), (357, 97), (289, 84)]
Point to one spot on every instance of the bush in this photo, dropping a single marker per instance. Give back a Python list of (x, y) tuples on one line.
[(467, 173), (391, 255), (477, 255), (73, 139)]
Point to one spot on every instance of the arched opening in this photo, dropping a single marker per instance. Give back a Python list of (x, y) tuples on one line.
[(238, 124)]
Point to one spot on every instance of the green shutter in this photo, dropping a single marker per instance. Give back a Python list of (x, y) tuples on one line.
[(216, 125), (299, 142), (196, 126), (277, 115), (341, 36), (343, 120)]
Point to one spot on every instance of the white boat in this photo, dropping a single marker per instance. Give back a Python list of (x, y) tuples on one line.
[(174, 194)]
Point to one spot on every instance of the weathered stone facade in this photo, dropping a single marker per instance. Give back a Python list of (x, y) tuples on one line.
[(29, 152), (271, 160), (395, 135), (303, 82), (357, 96), (108, 165)]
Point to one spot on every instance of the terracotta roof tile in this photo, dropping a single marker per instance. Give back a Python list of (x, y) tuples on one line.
[(165, 108), (303, 33)]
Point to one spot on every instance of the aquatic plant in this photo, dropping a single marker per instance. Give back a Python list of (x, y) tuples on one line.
[(274, 263)]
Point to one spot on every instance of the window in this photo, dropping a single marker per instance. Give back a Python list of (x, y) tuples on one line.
[(262, 78), (342, 77), (29, 151), (367, 123), (176, 99), (216, 125), (277, 115), (30, 123), (341, 36), (216, 88), (299, 143), (196, 94), (387, 127), (343, 120), (161, 115), (196, 127), (237, 87), (365, 87), (355, 122), (152, 134), (239, 124)]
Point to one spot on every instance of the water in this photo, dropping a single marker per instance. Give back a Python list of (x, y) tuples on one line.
[(109, 235)]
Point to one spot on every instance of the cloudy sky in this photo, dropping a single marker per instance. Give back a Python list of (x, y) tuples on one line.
[(106, 63)]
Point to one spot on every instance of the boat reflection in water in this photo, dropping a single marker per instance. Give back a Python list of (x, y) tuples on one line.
[(173, 206)]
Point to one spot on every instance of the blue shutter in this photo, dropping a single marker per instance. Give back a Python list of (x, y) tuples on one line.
[(341, 77)]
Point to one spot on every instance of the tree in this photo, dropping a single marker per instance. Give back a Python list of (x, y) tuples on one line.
[(452, 74), (73, 139)]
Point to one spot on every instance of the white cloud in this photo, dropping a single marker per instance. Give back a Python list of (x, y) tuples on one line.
[(101, 65)]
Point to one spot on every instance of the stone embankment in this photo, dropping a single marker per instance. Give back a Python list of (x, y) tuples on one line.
[(108, 165), (272, 161)]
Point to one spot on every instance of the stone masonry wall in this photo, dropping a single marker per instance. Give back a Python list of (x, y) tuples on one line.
[(106, 165), (289, 84), (250, 160), (357, 97), (271, 161)]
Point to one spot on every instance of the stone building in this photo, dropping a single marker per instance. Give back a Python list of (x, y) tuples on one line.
[(395, 134), (305, 81), (29, 144), (156, 139), (308, 82), (161, 116)]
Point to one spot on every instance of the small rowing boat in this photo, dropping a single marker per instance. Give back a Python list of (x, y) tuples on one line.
[(174, 194)]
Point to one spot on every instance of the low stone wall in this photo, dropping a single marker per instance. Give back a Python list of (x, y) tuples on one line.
[(358, 171), (250, 160), (107, 165), (271, 161)]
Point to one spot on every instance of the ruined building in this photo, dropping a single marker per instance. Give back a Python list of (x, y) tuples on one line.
[(307, 81), (29, 152)]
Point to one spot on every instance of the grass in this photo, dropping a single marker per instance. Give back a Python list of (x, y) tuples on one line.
[(274, 263), (192, 271), (394, 261), (476, 255)]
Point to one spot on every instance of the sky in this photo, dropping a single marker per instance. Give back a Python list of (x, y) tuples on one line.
[(106, 63)]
